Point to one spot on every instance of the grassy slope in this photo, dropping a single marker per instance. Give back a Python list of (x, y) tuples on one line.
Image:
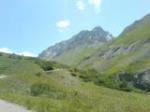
[(75, 56), (136, 60), (137, 33), (67, 93)]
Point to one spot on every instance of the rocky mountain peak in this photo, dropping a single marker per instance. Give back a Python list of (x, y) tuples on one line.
[(84, 38), (98, 29)]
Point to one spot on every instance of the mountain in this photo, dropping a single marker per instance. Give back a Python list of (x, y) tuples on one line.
[(123, 61), (78, 47), (126, 60), (45, 86)]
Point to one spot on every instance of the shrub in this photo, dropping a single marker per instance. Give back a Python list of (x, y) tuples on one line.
[(45, 65), (125, 86), (38, 74), (1, 54), (39, 89), (73, 74), (90, 75)]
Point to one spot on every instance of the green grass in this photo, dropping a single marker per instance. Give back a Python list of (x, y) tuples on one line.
[(45, 86), (62, 91), (133, 61), (138, 32), (76, 55), (86, 98)]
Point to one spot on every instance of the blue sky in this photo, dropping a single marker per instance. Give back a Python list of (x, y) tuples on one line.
[(30, 26)]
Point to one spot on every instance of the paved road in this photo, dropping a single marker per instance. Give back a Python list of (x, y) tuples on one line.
[(9, 107)]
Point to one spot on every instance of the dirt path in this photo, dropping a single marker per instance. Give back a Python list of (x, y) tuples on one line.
[(51, 71), (9, 107), (2, 76)]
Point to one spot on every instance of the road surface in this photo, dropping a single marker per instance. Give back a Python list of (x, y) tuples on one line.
[(10, 107)]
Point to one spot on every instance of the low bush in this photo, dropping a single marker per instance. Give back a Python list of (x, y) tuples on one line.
[(39, 89), (42, 89), (90, 75), (38, 74)]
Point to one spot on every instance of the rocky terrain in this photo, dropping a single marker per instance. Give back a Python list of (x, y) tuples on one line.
[(83, 42), (129, 53)]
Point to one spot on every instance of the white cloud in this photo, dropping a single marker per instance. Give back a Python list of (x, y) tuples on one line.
[(5, 50), (80, 5), (96, 4), (26, 53), (63, 24)]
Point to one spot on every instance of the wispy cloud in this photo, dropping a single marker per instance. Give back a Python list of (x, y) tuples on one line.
[(96, 4), (5, 50), (62, 24), (80, 5), (24, 53)]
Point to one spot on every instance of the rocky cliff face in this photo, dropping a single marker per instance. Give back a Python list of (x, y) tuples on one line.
[(83, 39), (127, 57)]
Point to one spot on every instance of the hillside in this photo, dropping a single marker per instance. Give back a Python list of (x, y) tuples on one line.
[(125, 59), (50, 87), (78, 47)]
